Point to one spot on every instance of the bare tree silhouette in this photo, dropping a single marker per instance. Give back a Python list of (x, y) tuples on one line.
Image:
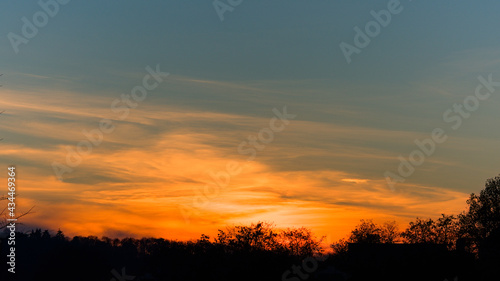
[(3, 213)]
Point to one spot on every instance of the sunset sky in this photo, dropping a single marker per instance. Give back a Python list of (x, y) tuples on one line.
[(227, 79)]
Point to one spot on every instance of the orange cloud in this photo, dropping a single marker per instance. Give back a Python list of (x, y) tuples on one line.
[(157, 162)]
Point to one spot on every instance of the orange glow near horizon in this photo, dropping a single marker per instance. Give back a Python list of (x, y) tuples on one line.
[(136, 182)]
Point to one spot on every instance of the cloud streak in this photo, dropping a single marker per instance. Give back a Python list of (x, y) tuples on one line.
[(134, 183)]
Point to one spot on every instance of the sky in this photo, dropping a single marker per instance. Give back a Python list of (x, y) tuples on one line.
[(327, 124)]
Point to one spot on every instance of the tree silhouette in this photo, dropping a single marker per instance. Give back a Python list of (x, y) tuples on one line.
[(481, 222), (3, 214), (299, 242), (366, 232), (369, 232), (264, 237), (390, 232), (428, 231), (260, 236)]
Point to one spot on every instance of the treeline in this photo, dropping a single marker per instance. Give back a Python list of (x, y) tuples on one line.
[(475, 231), (453, 247), (256, 252)]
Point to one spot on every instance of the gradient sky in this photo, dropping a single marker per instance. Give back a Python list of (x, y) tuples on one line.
[(324, 171)]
